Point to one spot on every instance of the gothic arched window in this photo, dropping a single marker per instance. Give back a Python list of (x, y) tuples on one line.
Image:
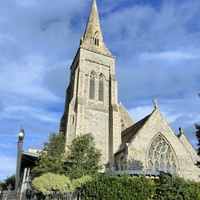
[(92, 86), (161, 157), (96, 39), (101, 87), (123, 124)]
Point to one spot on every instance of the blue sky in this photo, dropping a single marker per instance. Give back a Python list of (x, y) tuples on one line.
[(157, 45)]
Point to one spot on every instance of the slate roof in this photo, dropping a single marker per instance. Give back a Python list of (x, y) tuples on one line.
[(130, 132)]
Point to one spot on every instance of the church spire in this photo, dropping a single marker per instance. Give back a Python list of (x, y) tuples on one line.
[(93, 38), (93, 24)]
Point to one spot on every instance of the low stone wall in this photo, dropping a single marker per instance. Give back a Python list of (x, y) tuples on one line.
[(12, 195)]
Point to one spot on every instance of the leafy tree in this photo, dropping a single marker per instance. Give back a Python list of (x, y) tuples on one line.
[(83, 157), (9, 181), (198, 138), (1, 185), (52, 158)]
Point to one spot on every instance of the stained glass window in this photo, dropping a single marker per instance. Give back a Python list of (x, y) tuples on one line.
[(173, 168), (167, 168), (156, 166), (150, 165), (161, 156)]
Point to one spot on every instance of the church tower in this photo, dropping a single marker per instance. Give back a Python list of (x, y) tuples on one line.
[(91, 104)]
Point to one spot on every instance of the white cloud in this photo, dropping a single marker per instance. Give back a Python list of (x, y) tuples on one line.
[(169, 56), (140, 112), (26, 3), (26, 79), (32, 112), (7, 145), (157, 48)]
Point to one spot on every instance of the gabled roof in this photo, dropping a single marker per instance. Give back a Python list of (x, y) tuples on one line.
[(130, 132)]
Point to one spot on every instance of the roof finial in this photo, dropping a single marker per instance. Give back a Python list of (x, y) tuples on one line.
[(155, 103), (180, 130)]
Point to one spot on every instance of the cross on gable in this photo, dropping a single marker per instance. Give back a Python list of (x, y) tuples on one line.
[(155, 103)]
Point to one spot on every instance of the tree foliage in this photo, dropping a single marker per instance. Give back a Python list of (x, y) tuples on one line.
[(83, 157), (105, 186), (198, 137), (50, 183), (9, 181), (176, 188), (52, 158)]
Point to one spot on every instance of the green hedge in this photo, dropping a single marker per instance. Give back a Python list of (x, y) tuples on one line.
[(106, 187), (109, 187), (174, 188)]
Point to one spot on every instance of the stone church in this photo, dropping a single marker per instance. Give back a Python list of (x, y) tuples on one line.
[(91, 106)]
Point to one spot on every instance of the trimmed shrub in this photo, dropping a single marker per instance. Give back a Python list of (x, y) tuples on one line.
[(173, 188), (105, 186)]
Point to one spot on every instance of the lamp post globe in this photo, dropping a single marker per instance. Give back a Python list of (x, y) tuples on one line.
[(19, 157), (21, 135)]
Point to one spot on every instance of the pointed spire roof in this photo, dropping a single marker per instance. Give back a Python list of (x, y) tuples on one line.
[(93, 24), (93, 38)]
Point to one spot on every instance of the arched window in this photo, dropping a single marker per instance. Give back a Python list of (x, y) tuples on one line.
[(96, 38), (123, 124), (101, 87), (92, 86), (160, 156), (96, 41)]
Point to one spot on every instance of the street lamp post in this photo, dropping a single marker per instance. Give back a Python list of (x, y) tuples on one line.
[(19, 157)]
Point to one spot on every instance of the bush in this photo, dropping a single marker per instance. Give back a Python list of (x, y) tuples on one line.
[(51, 183), (105, 186), (177, 188)]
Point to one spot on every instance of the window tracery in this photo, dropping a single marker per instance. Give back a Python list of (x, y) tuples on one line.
[(161, 157)]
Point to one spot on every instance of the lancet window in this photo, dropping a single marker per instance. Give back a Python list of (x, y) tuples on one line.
[(96, 39), (161, 157), (123, 125), (92, 86), (101, 87)]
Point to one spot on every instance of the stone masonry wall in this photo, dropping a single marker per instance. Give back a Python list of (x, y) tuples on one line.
[(138, 147)]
